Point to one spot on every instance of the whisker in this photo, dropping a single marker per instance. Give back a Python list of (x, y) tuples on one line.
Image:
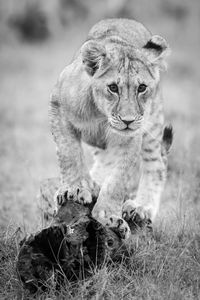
[(107, 133)]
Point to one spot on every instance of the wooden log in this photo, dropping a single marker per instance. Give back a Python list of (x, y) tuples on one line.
[(69, 249)]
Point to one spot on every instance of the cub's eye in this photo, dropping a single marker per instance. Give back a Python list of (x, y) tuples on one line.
[(142, 88), (113, 88)]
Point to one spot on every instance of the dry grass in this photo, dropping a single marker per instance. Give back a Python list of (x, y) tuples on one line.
[(163, 267), (166, 267)]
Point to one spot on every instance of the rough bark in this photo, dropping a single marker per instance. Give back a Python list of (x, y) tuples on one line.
[(69, 249)]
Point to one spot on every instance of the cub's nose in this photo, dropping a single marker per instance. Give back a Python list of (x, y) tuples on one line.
[(127, 122)]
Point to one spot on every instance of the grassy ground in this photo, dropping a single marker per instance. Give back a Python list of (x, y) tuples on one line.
[(163, 267), (168, 265)]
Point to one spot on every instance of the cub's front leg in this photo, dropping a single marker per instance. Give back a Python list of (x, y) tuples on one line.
[(120, 165), (76, 182), (140, 210)]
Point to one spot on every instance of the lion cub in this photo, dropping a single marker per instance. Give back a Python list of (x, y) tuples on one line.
[(110, 98)]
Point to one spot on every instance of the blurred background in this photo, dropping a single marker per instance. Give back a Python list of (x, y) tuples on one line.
[(37, 40)]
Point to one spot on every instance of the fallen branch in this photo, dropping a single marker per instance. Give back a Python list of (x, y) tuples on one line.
[(70, 249)]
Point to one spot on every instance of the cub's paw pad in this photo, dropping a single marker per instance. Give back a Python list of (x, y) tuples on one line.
[(119, 226), (136, 216)]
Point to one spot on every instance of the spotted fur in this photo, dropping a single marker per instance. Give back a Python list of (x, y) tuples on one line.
[(129, 171)]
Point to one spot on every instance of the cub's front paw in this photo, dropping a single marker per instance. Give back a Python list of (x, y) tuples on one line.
[(136, 216), (119, 226), (83, 192)]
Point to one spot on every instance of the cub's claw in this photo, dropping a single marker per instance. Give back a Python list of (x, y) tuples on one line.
[(84, 193), (120, 226), (60, 198), (136, 216), (82, 196)]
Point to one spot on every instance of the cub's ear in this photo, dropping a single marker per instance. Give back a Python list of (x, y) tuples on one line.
[(157, 50), (93, 56)]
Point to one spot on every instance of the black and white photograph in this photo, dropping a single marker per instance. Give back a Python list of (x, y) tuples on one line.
[(100, 150)]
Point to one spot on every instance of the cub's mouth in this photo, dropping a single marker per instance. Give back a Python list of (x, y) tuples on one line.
[(125, 131)]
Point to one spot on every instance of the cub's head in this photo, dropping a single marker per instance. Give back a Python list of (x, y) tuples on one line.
[(124, 80)]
